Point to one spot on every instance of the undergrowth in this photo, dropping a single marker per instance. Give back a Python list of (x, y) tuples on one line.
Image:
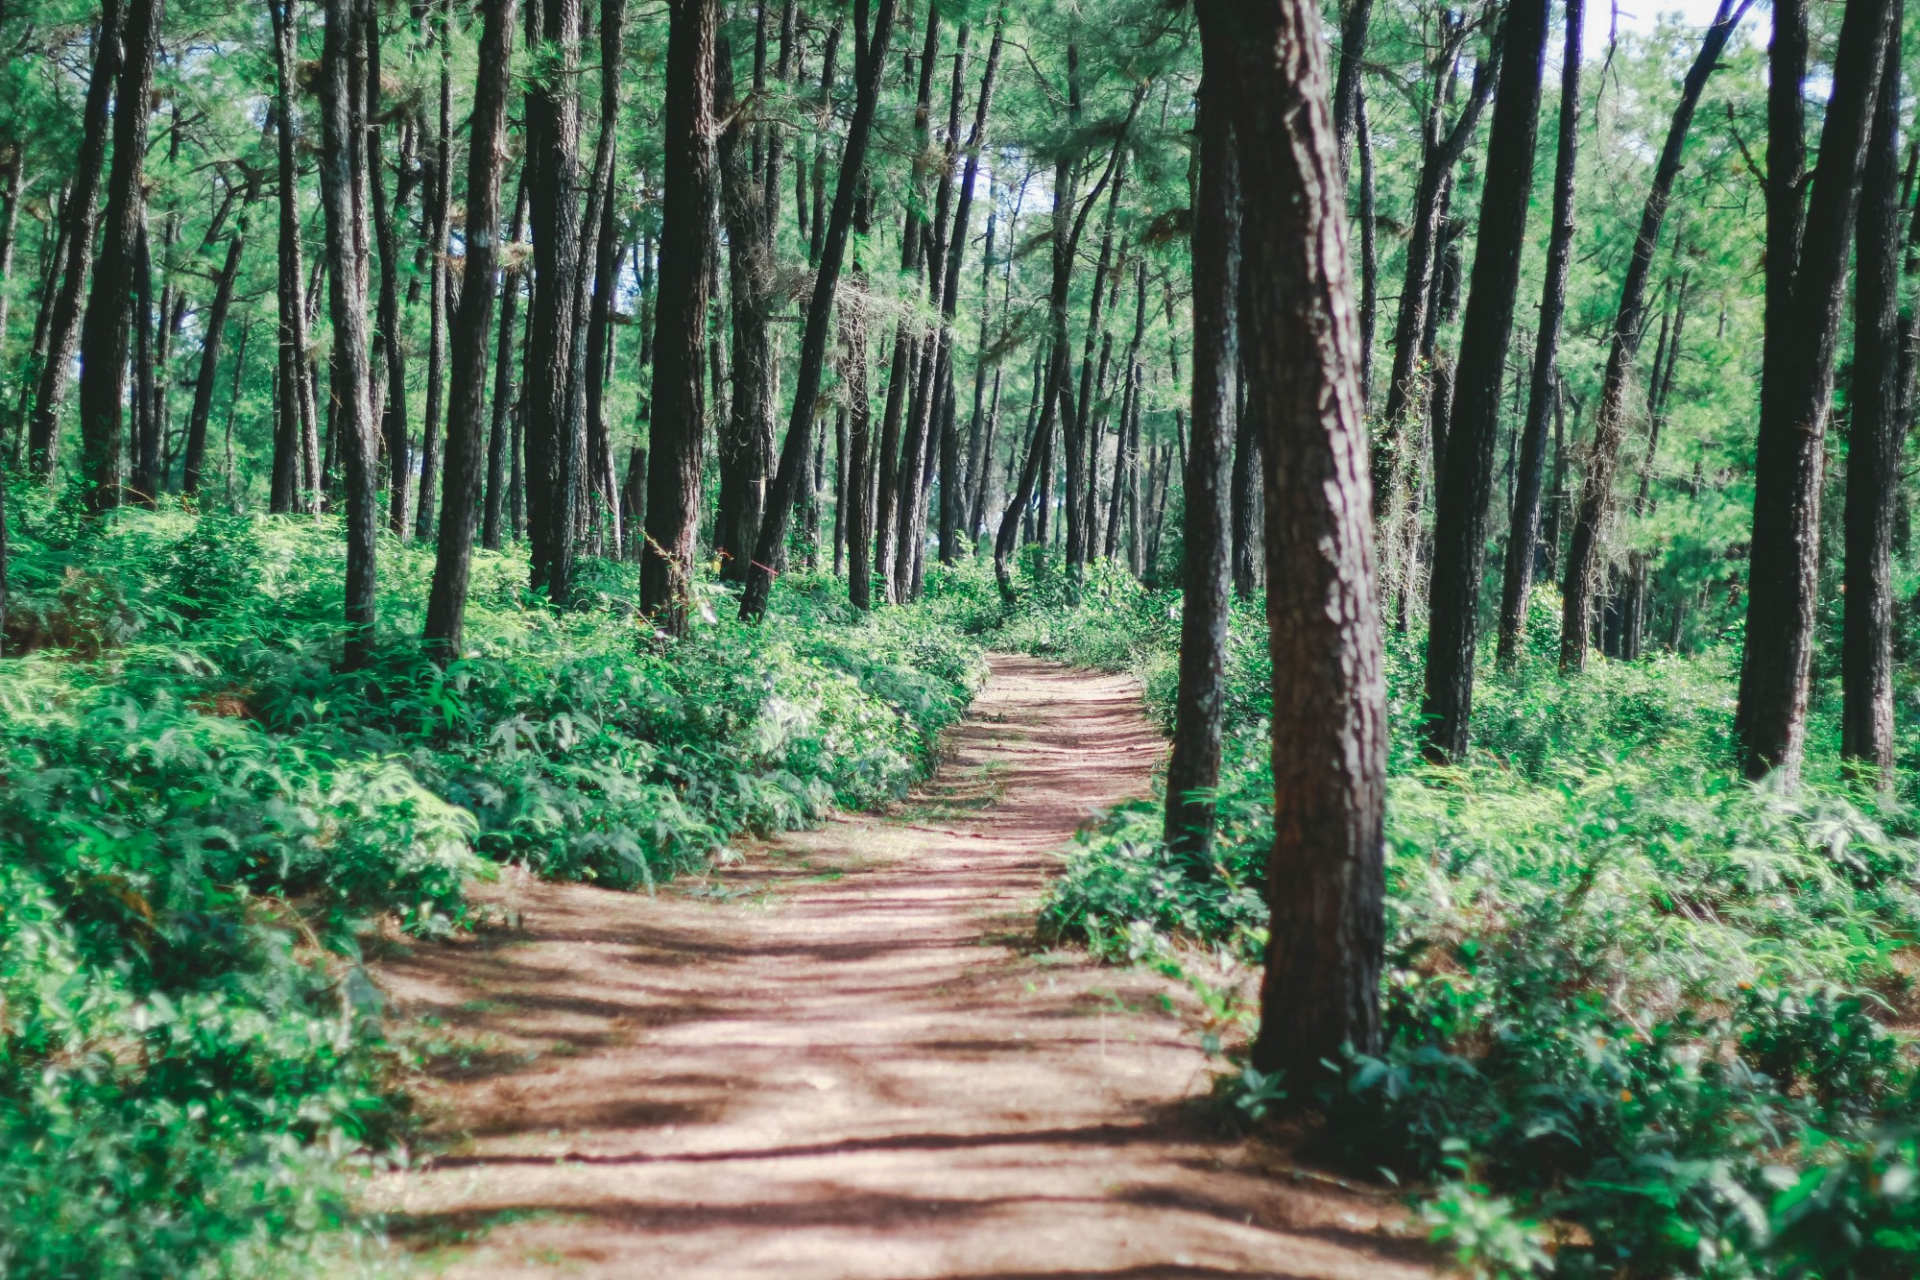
[(1642, 1018), (201, 821)]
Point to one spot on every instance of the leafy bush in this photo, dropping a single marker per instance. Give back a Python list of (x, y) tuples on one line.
[(1636, 1009), (201, 820)]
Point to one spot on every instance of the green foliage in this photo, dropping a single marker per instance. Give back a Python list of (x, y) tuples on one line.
[(201, 821), (1662, 1007)]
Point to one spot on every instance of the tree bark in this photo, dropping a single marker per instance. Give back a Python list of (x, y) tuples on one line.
[(394, 429), (676, 432), (1325, 882), (1466, 487), (1193, 769), (215, 328), (1596, 493), (603, 486), (486, 155), (859, 493), (438, 219), (1523, 534), (746, 438), (553, 456), (1795, 384), (870, 54), (103, 334), (342, 197), (502, 427), (1876, 430), (1346, 80), (78, 223), (1369, 255)]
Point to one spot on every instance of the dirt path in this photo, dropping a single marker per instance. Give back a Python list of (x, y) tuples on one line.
[(854, 1063)]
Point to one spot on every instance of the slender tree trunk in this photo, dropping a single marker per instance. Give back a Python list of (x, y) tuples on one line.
[(604, 487), (502, 427), (342, 197), (746, 437), (15, 170), (215, 327), (952, 486), (1193, 770), (553, 463), (486, 156), (859, 493), (1796, 382), (1523, 535), (870, 52), (103, 334), (1876, 432), (1369, 255), (394, 428), (438, 218), (680, 333), (1466, 487), (1320, 996), (78, 222), (1596, 494)]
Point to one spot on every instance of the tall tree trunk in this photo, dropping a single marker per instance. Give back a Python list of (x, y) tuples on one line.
[(143, 482), (746, 437), (1876, 432), (215, 328), (342, 196), (1369, 255), (604, 487), (1795, 383), (1346, 80), (1081, 435), (1523, 534), (680, 328), (15, 170), (1320, 995), (502, 428), (486, 156), (103, 334), (870, 53), (1246, 484), (1193, 769), (438, 218), (78, 218), (859, 493), (952, 486), (1596, 494), (553, 460), (1460, 516), (392, 363)]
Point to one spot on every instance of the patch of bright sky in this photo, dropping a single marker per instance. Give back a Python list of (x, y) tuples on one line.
[(1641, 16)]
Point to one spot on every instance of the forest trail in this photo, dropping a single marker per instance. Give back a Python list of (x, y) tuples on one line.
[(844, 1058)]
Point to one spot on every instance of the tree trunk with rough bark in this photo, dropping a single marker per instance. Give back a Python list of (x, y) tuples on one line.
[(687, 247), (1320, 995), (1523, 534), (1796, 382), (486, 156), (1466, 486), (103, 333)]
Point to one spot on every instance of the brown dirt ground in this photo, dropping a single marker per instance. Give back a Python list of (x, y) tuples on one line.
[(846, 1057)]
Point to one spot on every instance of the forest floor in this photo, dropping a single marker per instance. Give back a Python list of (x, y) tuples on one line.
[(846, 1056)]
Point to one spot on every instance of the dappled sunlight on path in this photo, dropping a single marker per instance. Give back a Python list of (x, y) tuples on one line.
[(845, 1057)]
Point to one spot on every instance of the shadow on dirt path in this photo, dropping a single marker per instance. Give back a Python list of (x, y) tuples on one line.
[(846, 1058)]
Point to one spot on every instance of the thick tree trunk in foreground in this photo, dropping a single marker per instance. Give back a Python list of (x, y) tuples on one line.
[(1326, 883), (1795, 384), (1193, 770), (103, 334), (447, 600), (342, 199), (1523, 534), (1876, 431), (1465, 488), (77, 225), (870, 55), (680, 327), (1610, 421), (554, 460)]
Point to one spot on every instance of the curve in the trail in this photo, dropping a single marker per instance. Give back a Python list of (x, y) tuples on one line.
[(845, 1058)]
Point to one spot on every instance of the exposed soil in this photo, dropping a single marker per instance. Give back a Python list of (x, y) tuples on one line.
[(846, 1057)]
